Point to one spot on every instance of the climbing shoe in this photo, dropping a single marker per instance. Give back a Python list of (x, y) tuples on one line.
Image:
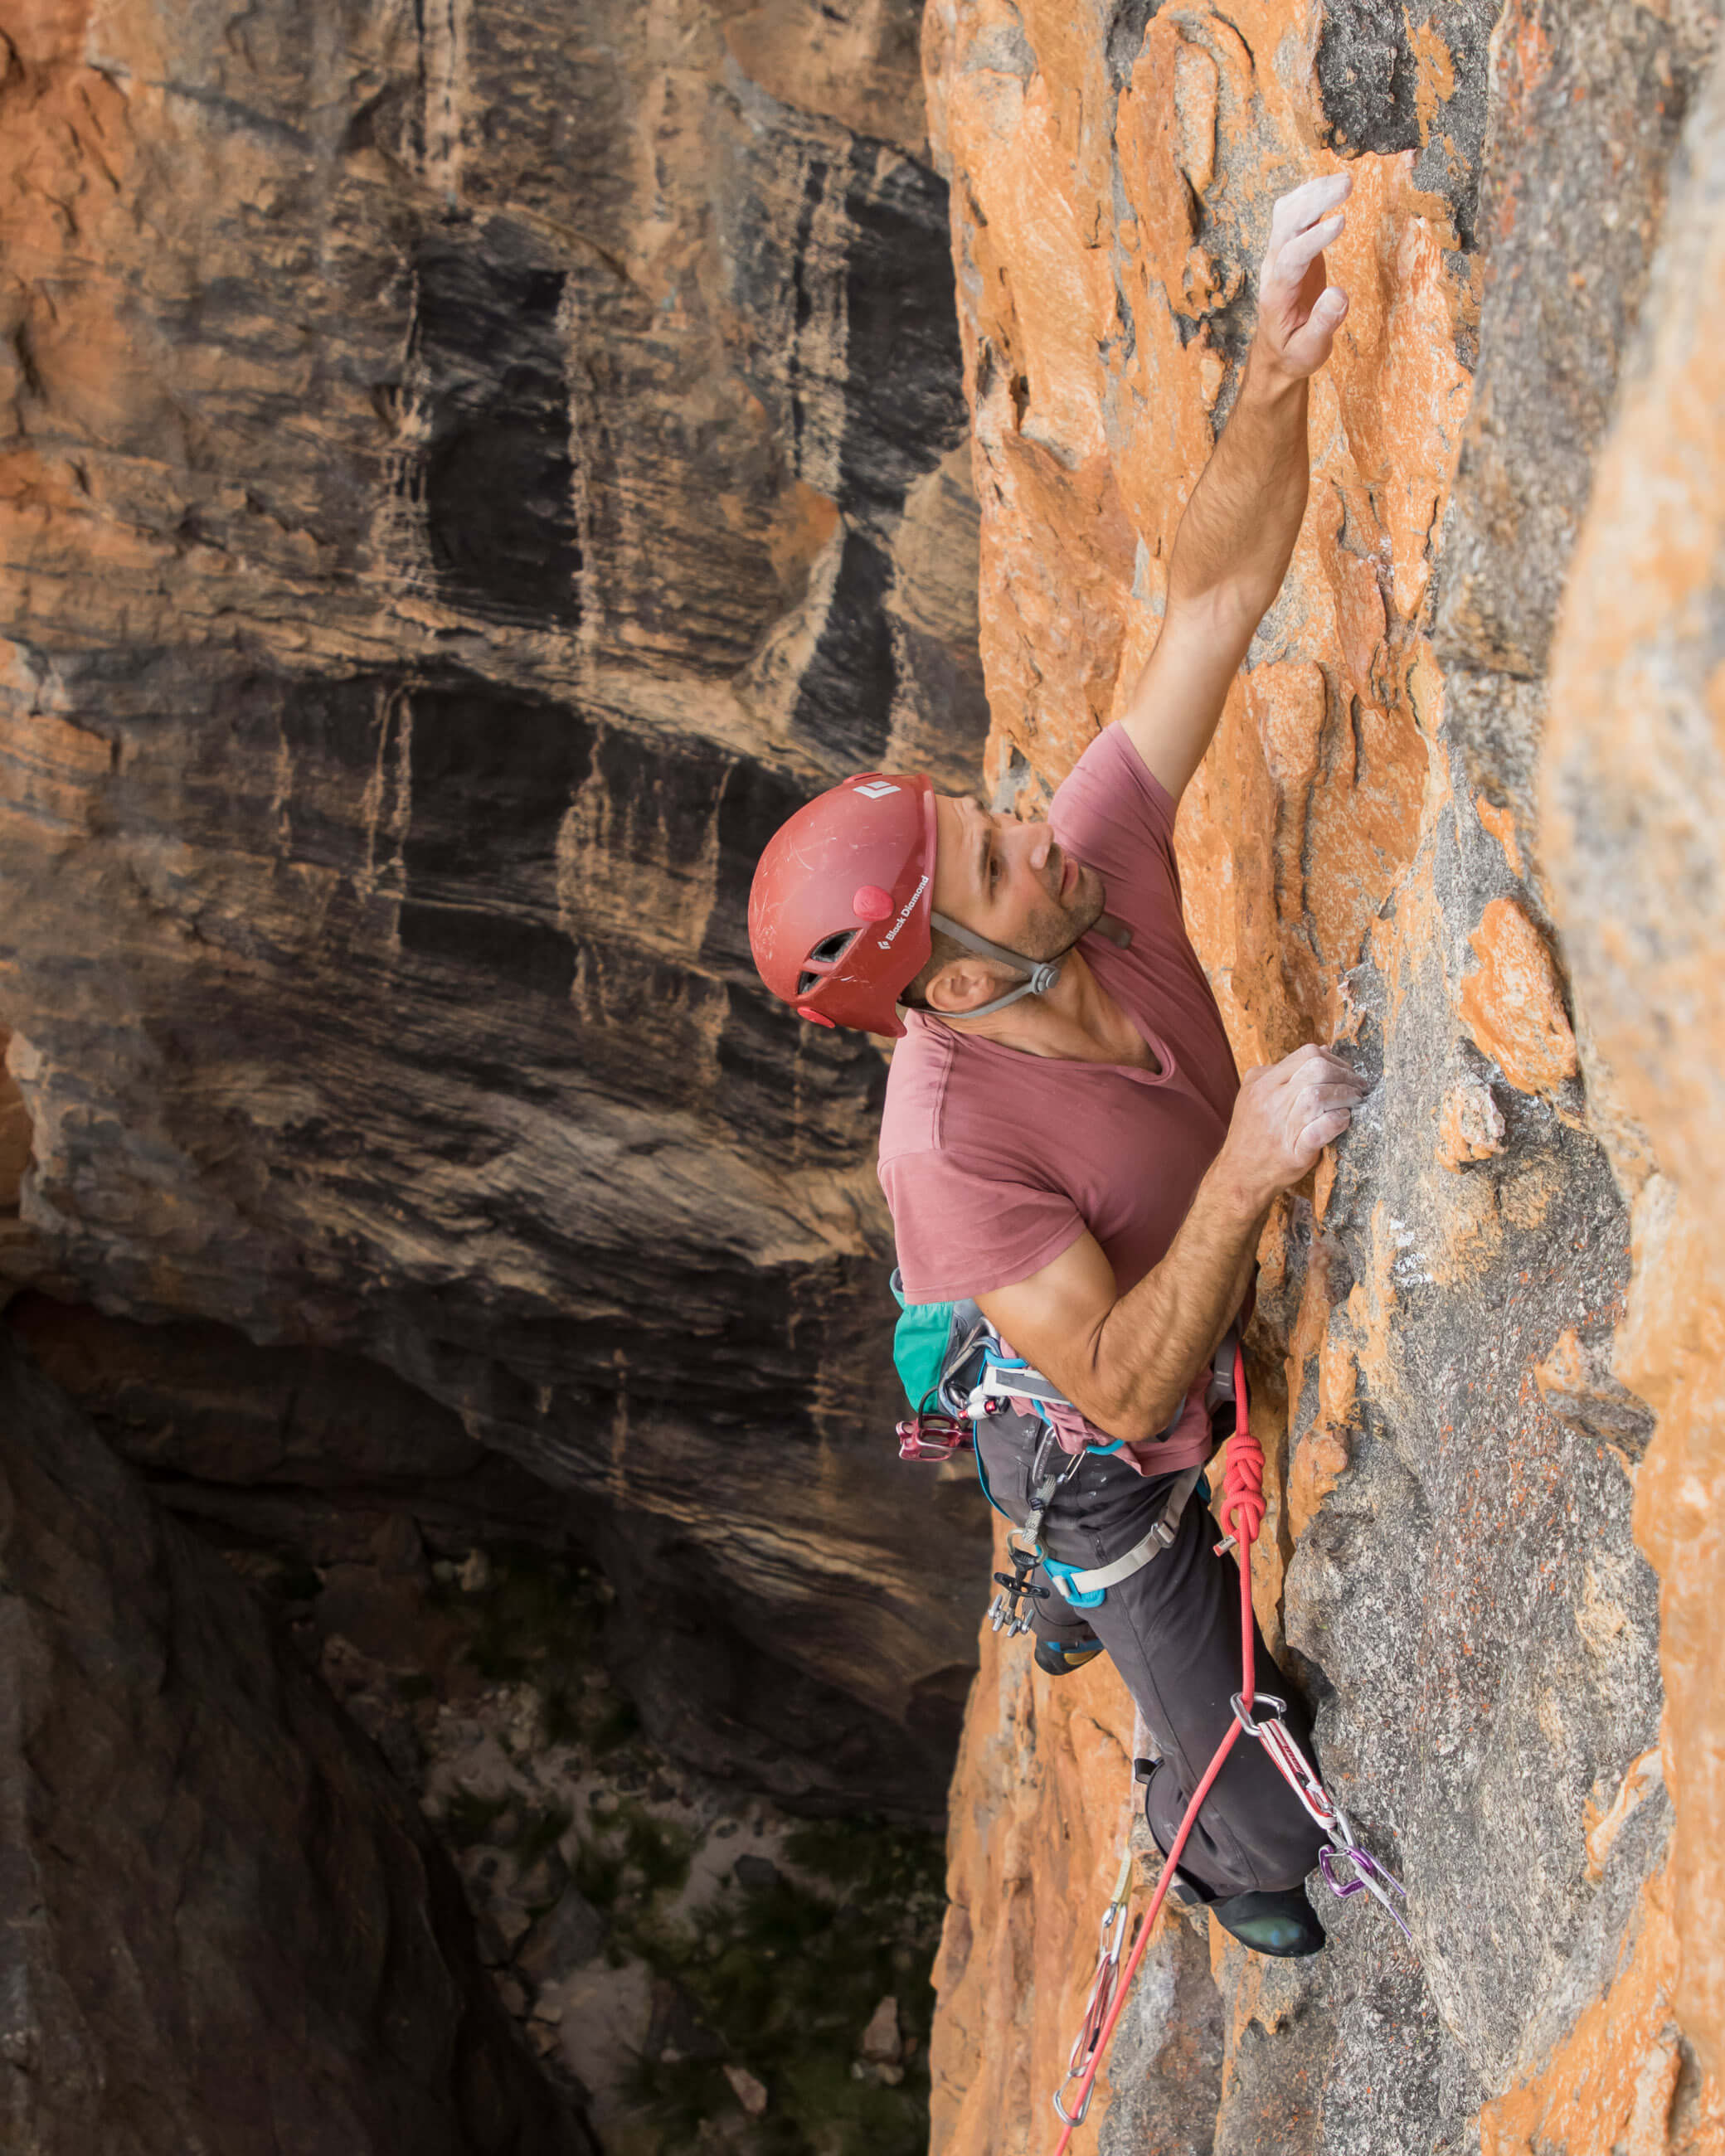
[(1283, 1924), (1061, 1661)]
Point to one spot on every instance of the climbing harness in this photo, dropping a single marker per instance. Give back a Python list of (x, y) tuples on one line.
[(1084, 1589), (1243, 1513), (959, 1371)]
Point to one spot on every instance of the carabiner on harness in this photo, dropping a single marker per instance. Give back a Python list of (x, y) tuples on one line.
[(1024, 1545)]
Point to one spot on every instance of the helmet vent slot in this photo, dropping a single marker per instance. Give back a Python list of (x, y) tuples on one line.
[(825, 955)]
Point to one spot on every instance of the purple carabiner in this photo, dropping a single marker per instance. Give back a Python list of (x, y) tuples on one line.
[(1372, 1879)]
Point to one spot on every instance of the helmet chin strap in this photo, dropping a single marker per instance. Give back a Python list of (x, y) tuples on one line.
[(1043, 972)]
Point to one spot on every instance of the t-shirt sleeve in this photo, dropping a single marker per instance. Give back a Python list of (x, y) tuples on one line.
[(961, 1233), (1111, 812)]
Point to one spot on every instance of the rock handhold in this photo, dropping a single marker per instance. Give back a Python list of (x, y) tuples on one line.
[(1579, 1387), (1513, 1002), (1471, 1125)]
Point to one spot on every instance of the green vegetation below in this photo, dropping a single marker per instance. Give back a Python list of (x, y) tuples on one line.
[(779, 1977), (786, 1976)]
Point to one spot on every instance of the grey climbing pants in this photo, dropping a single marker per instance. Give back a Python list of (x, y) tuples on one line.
[(1172, 1632)]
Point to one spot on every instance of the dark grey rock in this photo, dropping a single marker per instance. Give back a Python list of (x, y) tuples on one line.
[(571, 1933), (1368, 68), (1585, 114), (1166, 2063), (224, 1925)]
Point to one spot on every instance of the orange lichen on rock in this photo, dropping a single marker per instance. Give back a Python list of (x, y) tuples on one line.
[(1470, 1125), (1500, 822), (1513, 1001), (1319, 1464), (1612, 2088)]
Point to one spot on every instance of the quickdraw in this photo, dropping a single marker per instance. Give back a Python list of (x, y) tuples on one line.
[(1024, 1545), (1340, 1844), (1243, 1514), (1090, 2036)]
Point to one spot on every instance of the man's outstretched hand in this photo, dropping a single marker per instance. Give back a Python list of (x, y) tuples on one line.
[(1285, 1114), (1298, 312)]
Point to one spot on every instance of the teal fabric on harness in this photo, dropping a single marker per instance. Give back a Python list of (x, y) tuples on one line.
[(1062, 1576), (920, 1341)]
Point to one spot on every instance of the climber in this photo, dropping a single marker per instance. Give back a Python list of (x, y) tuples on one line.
[(1064, 1138)]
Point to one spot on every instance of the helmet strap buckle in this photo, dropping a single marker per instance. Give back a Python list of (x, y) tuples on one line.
[(1040, 973)]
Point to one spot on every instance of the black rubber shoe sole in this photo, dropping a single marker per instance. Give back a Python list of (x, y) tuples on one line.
[(1058, 1663), (1283, 1924)]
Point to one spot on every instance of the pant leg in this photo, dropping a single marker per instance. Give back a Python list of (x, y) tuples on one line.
[(1173, 1631)]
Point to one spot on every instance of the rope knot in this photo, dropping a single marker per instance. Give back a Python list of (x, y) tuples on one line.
[(1242, 1485)]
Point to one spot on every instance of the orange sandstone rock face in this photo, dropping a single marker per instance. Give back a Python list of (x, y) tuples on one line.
[(1455, 1425), (1634, 811), (1513, 1002)]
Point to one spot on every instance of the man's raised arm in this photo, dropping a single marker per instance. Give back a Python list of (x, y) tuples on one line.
[(1237, 535)]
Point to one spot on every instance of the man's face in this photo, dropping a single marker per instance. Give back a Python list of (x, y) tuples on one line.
[(1010, 881)]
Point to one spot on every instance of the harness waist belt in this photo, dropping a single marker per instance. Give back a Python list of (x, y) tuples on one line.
[(1149, 1546)]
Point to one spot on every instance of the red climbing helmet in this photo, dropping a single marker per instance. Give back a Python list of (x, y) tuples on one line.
[(838, 909)]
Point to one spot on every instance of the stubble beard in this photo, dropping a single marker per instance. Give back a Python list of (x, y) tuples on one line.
[(1052, 929)]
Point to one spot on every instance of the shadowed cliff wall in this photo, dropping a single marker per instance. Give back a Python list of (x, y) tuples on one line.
[(226, 1926), (1461, 1341), (466, 473)]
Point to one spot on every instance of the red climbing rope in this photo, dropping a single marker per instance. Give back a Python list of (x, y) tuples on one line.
[(1242, 1515)]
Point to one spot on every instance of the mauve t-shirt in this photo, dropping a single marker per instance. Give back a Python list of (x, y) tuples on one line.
[(994, 1161)]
